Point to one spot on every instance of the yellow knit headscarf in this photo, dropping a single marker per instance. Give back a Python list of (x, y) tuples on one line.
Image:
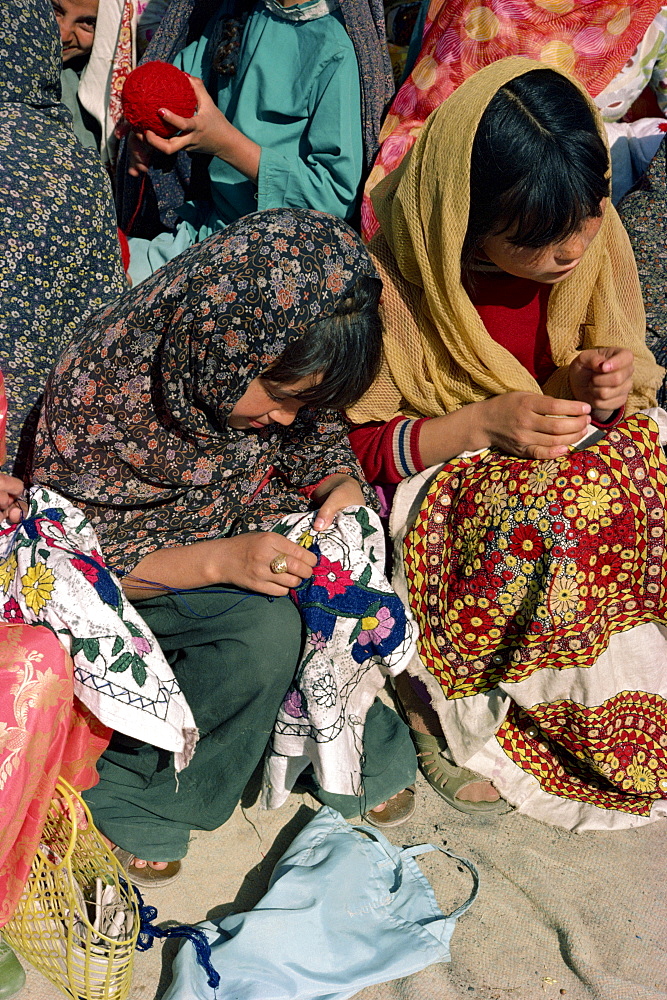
[(438, 354)]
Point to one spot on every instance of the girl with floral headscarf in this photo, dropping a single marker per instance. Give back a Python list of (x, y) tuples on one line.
[(513, 330), (186, 420)]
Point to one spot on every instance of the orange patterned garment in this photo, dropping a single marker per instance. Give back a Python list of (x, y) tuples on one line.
[(515, 567), (45, 732), (591, 39)]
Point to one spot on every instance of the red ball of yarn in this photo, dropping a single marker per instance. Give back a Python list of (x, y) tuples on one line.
[(124, 249), (157, 85)]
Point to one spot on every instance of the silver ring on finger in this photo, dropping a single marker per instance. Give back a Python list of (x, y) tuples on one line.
[(279, 563)]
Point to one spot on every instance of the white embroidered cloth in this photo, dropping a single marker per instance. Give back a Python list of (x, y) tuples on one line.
[(357, 632), (52, 573)]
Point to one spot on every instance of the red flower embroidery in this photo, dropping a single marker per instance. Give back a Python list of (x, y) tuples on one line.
[(90, 572), (526, 542), (12, 611), (332, 577)]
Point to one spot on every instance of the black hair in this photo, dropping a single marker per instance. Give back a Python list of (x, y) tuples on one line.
[(344, 346), (539, 167)]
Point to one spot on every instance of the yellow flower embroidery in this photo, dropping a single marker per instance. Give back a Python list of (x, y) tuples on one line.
[(306, 539), (593, 501), (643, 778), (564, 595), (7, 571), (37, 586)]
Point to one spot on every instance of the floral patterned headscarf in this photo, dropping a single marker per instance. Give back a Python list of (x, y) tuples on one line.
[(59, 254), (134, 428)]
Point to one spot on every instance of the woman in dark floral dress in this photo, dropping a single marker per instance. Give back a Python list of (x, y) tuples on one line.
[(196, 411)]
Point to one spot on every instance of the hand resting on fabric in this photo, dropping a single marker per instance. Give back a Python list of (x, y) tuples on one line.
[(242, 560), (12, 507)]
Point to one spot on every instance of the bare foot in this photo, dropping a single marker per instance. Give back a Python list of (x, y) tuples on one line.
[(383, 805), (138, 862), (424, 719)]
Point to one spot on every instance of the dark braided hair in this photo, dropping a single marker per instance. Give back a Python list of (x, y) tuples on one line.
[(226, 40)]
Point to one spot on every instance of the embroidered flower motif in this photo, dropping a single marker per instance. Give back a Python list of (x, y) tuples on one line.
[(324, 691), (37, 586), (526, 542), (12, 611), (141, 644), (306, 539), (564, 595), (318, 640), (376, 627), (495, 495), (90, 572), (332, 577), (542, 477), (293, 704), (7, 571), (642, 777), (593, 501)]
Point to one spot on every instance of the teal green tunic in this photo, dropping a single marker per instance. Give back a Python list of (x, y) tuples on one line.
[(296, 93)]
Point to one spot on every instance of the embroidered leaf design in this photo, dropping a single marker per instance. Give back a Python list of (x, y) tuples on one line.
[(133, 630), (77, 645), (117, 646), (355, 631), (281, 529), (364, 523), (365, 577), (91, 649), (138, 670), (44, 553), (122, 663)]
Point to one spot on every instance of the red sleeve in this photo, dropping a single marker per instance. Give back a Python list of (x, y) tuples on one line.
[(615, 418), (388, 452)]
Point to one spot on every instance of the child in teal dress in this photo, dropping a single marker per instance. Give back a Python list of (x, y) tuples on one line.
[(279, 113)]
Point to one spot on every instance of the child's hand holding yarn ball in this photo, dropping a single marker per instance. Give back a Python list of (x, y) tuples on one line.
[(151, 87), (205, 130)]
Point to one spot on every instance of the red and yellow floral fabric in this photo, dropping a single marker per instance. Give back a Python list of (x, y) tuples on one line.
[(516, 565), (591, 39), (45, 732)]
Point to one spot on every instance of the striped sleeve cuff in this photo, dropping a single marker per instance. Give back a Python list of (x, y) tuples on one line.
[(405, 447)]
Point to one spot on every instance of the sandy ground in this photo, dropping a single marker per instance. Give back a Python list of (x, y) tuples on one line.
[(559, 915)]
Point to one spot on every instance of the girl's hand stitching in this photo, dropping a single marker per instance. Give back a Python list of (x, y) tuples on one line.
[(337, 492), (530, 425), (602, 377)]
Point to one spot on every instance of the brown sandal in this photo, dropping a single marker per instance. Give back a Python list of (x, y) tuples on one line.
[(397, 811), (147, 878)]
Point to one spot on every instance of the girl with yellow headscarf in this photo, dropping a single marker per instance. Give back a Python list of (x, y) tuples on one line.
[(514, 328)]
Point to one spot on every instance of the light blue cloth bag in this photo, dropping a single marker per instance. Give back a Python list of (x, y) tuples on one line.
[(342, 912)]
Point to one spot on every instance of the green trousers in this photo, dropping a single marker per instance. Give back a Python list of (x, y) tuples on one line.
[(234, 655)]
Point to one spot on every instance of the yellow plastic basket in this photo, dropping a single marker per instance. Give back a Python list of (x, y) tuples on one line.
[(53, 926)]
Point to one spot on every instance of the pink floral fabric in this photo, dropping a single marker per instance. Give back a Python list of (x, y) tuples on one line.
[(591, 39), (45, 732)]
